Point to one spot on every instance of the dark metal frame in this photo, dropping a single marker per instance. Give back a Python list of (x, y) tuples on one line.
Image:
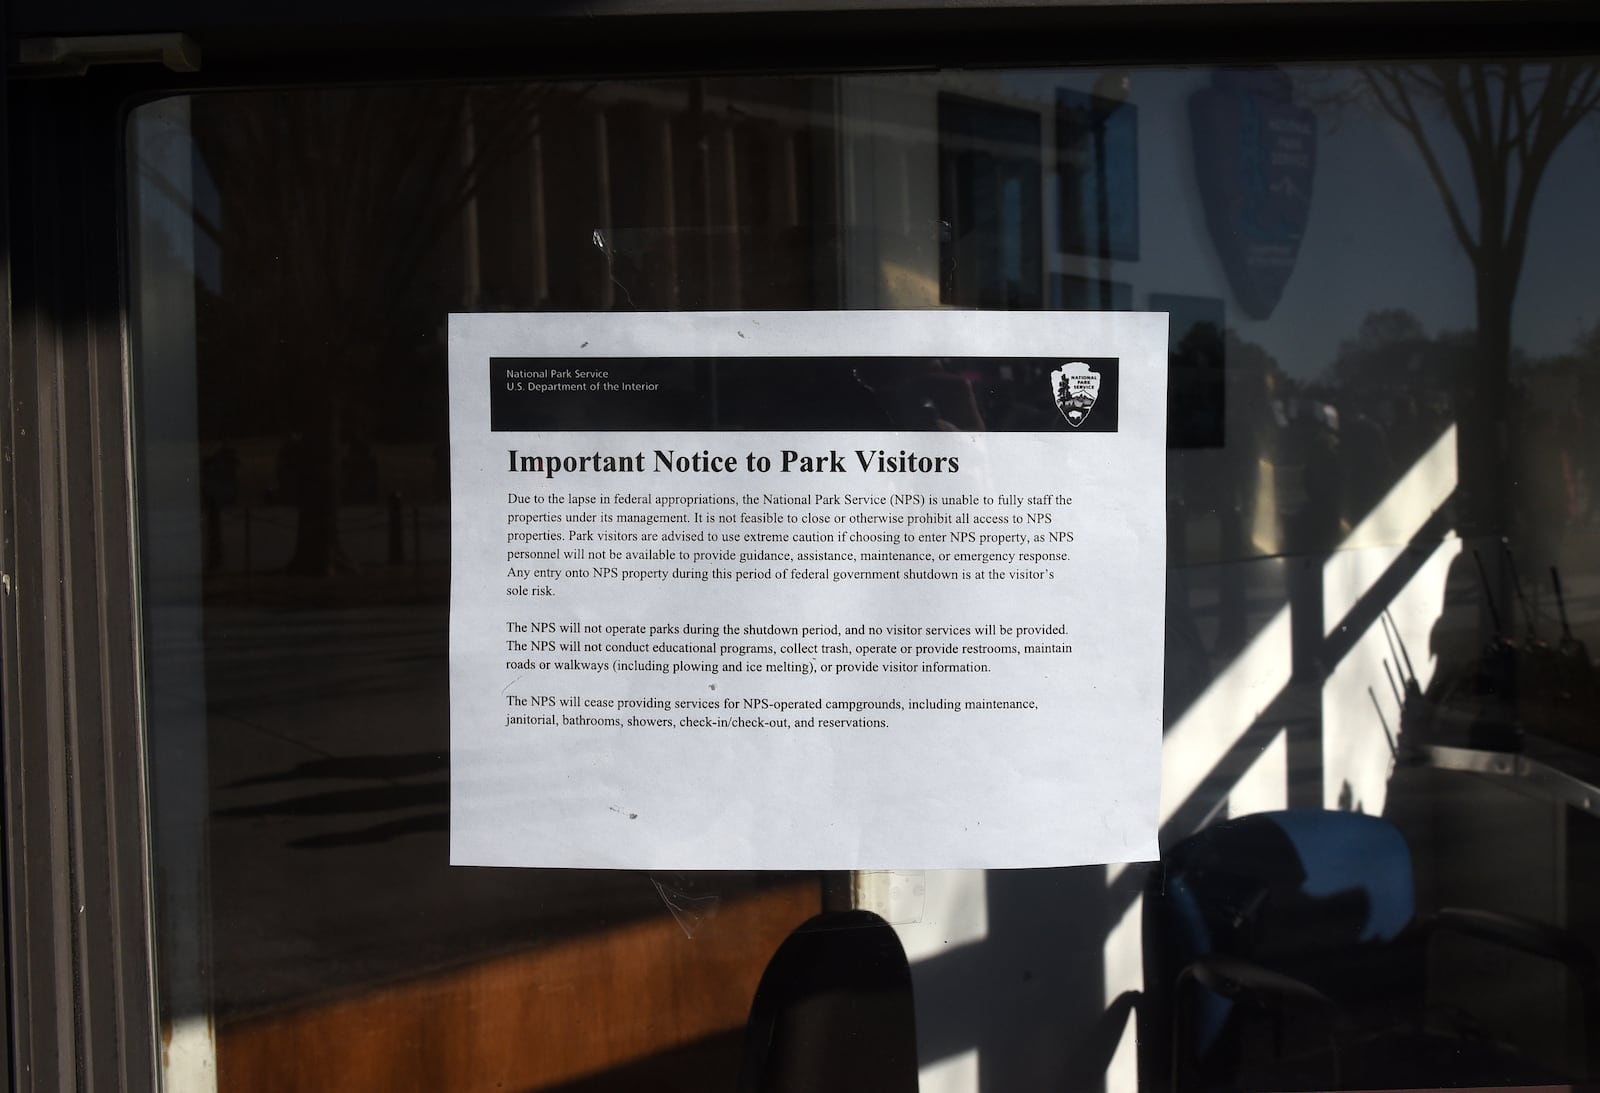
[(79, 1004), (77, 896)]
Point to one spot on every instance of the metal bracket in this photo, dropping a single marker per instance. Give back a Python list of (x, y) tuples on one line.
[(73, 56)]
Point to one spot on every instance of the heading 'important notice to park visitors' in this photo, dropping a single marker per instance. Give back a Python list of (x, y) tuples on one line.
[(806, 590)]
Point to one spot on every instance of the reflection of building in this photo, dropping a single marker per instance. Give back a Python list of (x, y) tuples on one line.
[(285, 852)]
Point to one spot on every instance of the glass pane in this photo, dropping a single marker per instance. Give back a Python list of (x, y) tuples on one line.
[(1381, 584)]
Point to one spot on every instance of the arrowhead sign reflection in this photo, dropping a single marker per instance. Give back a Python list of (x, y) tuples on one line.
[(1255, 153)]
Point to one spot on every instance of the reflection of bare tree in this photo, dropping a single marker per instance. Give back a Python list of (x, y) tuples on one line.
[(1509, 118), (333, 210)]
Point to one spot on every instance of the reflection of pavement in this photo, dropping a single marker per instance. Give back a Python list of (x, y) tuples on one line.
[(261, 539), (329, 735), (328, 738)]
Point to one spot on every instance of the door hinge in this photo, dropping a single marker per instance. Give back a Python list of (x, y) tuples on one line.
[(73, 56)]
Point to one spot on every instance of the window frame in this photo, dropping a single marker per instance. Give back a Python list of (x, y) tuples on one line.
[(80, 1006)]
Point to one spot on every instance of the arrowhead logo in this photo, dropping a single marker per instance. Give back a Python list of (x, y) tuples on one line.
[(1076, 390)]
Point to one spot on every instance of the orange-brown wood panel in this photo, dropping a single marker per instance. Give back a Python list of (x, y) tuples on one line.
[(525, 1020)]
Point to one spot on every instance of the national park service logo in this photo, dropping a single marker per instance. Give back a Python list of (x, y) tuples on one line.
[(1076, 389)]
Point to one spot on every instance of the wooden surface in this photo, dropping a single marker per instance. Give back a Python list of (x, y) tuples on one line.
[(526, 1020)]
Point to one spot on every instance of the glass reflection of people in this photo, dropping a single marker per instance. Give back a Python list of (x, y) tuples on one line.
[(1369, 471), (1314, 440)]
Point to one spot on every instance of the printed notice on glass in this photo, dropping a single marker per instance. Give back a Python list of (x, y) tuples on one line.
[(806, 590)]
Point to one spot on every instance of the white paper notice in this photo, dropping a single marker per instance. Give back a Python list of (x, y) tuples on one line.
[(806, 590)]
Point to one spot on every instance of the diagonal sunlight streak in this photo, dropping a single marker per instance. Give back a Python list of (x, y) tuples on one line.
[(1264, 786), (1216, 722), (1364, 695), (1219, 718), (1381, 589), (1354, 567)]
